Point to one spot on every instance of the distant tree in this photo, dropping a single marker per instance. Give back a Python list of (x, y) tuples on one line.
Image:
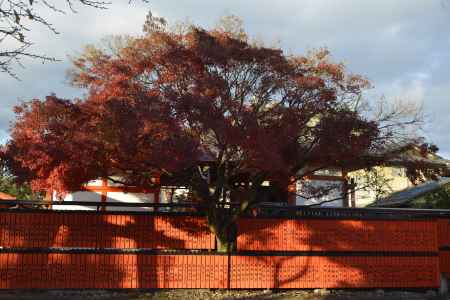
[(154, 23), (165, 103), (20, 191), (439, 199), (16, 18)]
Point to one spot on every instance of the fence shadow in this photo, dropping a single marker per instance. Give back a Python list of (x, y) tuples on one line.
[(51, 249), (332, 253), (89, 249)]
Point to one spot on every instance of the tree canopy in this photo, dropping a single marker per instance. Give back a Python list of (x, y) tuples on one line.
[(174, 102)]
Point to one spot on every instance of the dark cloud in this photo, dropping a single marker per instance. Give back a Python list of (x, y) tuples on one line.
[(401, 46)]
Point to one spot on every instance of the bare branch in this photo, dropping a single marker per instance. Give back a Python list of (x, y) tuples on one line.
[(14, 32)]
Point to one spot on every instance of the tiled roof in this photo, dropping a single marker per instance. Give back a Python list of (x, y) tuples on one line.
[(406, 195)]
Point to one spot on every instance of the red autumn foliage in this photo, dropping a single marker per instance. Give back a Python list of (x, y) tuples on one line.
[(161, 101), (58, 144)]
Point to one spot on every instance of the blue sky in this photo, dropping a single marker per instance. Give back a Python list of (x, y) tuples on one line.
[(402, 46)]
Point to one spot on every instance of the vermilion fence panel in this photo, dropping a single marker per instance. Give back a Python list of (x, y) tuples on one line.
[(111, 271), (443, 232), (444, 245), (333, 272), (50, 249), (103, 230), (444, 262), (259, 234)]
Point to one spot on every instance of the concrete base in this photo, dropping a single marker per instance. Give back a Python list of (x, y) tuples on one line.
[(443, 288)]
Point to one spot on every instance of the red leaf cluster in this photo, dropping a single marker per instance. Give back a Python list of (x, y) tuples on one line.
[(157, 103)]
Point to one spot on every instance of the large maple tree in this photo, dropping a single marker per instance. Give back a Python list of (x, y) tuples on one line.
[(172, 102)]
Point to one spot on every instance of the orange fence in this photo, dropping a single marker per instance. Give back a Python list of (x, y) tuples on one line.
[(337, 253), (336, 235), (46, 229), (111, 271), (257, 272), (444, 245), (56, 249)]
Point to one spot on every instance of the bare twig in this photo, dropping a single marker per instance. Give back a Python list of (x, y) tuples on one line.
[(14, 40)]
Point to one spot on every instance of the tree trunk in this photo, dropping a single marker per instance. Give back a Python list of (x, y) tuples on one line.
[(220, 233), (222, 243), (225, 233)]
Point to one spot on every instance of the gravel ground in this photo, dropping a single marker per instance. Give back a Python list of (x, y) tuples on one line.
[(220, 295)]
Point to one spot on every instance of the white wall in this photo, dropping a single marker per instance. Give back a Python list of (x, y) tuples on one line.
[(78, 196), (379, 182), (96, 189), (120, 197)]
